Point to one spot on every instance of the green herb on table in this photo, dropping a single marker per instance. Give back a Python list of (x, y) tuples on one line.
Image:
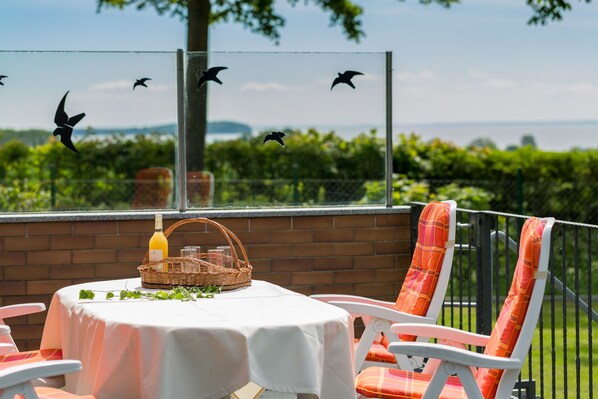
[(177, 293), (86, 294)]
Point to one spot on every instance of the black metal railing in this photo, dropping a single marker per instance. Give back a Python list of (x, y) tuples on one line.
[(560, 363)]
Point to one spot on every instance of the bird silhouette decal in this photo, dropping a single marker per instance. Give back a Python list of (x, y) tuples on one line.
[(210, 74), (345, 78), (65, 125), (140, 82), (276, 136), (2, 77)]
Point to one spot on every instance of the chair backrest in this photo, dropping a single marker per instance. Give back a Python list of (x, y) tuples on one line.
[(514, 328), (425, 284), (153, 188)]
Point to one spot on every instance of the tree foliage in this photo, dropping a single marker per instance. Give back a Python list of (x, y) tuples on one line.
[(260, 16)]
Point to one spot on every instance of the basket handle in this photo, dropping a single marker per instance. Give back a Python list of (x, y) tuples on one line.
[(225, 231)]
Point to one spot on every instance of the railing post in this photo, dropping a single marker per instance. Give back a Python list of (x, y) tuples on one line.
[(182, 152), (483, 227), (389, 171)]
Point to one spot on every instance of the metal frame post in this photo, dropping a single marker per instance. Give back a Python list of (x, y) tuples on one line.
[(483, 226), (389, 170), (182, 164)]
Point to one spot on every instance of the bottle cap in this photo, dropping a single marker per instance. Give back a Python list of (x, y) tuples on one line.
[(158, 222)]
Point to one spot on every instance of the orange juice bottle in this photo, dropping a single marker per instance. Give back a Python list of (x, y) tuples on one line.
[(158, 246)]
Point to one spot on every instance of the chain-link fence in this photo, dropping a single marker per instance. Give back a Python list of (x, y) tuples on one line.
[(572, 201)]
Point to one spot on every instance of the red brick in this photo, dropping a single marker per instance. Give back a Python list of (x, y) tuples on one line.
[(268, 251), (390, 275), (46, 286), (26, 243), (94, 256), (382, 291), (118, 241), (116, 270), (345, 277), (12, 288), (383, 234), (347, 289), (27, 273), (71, 271), (282, 279), (254, 237), (49, 228), (393, 247), (13, 258), (403, 219), (354, 248), (334, 235), (403, 261), (27, 331), (375, 262), (72, 242), (335, 263), (260, 265), (313, 222), (312, 278), (60, 257), (291, 236), (273, 223), (191, 226), (310, 250), (95, 228), (291, 265), (304, 290), (37, 318), (235, 224), (131, 255), (13, 300), (136, 226), (12, 229), (354, 221)]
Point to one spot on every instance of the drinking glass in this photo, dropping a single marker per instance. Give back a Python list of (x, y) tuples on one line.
[(188, 267), (227, 256), (216, 257)]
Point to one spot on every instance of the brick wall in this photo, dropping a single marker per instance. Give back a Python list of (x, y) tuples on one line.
[(353, 254)]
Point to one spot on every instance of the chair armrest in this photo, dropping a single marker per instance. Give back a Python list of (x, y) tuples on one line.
[(15, 375), (372, 310), (454, 355), (351, 298), (21, 309), (440, 332)]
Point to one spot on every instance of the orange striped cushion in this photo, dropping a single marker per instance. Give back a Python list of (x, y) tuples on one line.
[(13, 359), (420, 281), (378, 353), (53, 393), (508, 325), (385, 383)]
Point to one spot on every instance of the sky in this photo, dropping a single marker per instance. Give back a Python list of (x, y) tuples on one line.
[(478, 62)]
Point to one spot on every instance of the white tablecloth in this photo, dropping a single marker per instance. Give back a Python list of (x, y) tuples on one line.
[(134, 348)]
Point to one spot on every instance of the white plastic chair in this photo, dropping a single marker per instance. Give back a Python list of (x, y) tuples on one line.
[(10, 355), (378, 316), (458, 371), (17, 380)]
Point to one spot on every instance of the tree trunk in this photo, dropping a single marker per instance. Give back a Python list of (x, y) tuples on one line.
[(198, 19)]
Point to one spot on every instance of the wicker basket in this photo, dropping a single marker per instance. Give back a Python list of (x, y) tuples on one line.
[(206, 272)]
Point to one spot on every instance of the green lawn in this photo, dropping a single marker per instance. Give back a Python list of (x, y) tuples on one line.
[(559, 353)]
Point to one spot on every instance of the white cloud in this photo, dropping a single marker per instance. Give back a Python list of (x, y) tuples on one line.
[(423, 76), (120, 85), (496, 83), (268, 86), (576, 88)]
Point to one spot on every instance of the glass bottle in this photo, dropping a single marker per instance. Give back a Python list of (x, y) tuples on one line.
[(158, 246)]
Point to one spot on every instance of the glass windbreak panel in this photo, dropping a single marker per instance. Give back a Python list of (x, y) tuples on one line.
[(285, 129), (87, 131)]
